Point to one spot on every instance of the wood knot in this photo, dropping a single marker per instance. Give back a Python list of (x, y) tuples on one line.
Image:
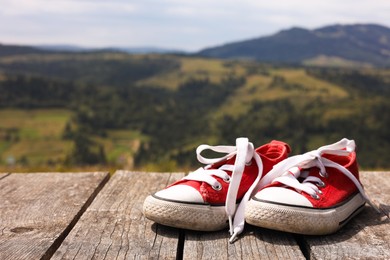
[(21, 229)]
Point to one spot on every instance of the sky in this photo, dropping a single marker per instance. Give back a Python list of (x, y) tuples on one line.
[(188, 25)]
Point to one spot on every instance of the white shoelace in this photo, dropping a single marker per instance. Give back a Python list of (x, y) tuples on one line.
[(288, 171), (244, 151)]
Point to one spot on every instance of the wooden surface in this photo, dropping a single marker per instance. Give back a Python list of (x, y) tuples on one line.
[(254, 243), (39, 209), (114, 226), (72, 216)]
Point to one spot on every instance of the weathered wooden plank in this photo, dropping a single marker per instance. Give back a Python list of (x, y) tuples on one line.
[(367, 236), (113, 227), (254, 243), (39, 209)]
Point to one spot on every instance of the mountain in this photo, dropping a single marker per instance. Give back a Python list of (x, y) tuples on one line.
[(130, 50), (345, 45), (62, 48), (9, 50), (146, 50)]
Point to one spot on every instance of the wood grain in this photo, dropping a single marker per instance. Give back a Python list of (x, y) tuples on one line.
[(113, 227), (367, 236), (39, 209)]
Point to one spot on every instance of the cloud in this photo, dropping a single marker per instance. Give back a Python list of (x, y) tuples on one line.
[(64, 7), (184, 24)]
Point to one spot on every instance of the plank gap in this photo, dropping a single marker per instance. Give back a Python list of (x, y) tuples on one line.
[(385, 210), (5, 175), (303, 245), (180, 245), (58, 241)]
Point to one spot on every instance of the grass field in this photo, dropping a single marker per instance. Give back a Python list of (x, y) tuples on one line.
[(194, 68), (33, 139), (120, 146), (296, 85)]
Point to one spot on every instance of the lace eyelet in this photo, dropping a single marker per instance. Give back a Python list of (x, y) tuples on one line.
[(319, 192), (218, 187), (324, 174), (227, 179), (321, 184), (316, 196)]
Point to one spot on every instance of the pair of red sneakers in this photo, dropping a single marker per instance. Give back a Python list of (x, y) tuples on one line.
[(314, 193)]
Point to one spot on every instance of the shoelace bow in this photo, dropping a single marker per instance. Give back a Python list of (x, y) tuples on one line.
[(288, 171), (244, 152)]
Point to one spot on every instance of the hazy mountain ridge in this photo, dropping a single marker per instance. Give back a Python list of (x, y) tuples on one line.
[(13, 49), (9, 50), (130, 50), (361, 43)]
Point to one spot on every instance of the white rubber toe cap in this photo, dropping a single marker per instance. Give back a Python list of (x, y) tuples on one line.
[(179, 192), (284, 196)]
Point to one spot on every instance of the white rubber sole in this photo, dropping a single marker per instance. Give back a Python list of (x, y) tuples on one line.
[(185, 215), (302, 220)]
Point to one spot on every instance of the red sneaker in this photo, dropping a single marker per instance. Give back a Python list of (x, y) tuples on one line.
[(315, 194), (206, 198)]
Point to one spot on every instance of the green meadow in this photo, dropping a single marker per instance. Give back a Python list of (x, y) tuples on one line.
[(33, 139), (72, 111)]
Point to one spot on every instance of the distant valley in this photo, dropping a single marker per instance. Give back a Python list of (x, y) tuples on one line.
[(61, 110)]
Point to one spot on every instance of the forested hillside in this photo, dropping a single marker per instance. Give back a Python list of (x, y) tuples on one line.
[(152, 111), (334, 45)]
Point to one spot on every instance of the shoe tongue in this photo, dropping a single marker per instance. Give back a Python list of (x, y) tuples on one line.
[(194, 184), (197, 184), (230, 161)]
